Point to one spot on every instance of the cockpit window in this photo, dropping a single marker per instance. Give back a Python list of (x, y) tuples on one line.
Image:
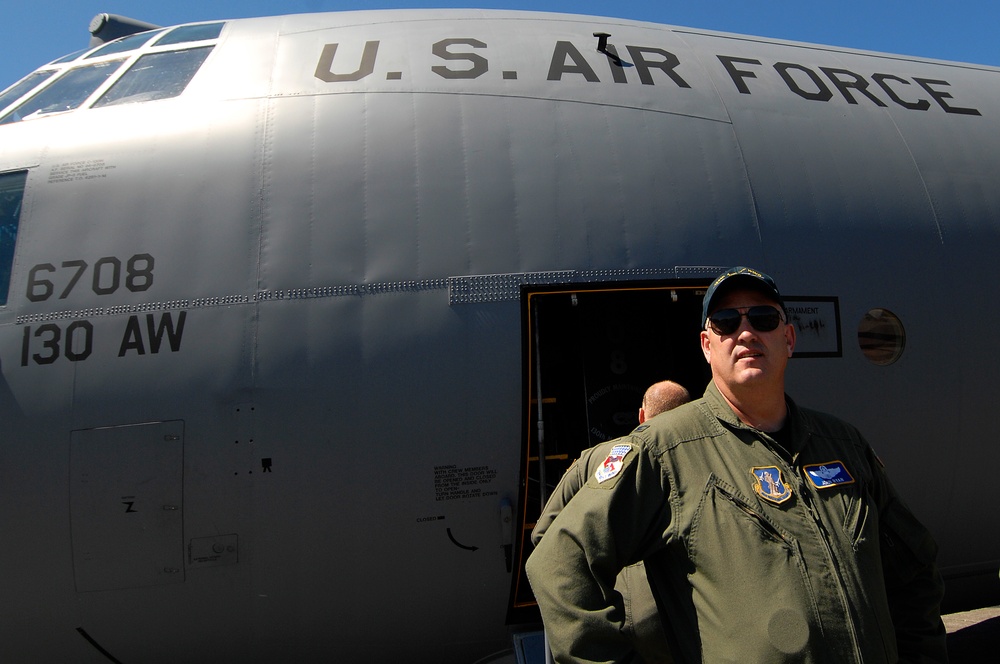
[(69, 58), (11, 194), (22, 88), (147, 66), (155, 76), (65, 93), (124, 44), (190, 33)]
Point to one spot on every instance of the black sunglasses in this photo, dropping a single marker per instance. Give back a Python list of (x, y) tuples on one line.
[(762, 318)]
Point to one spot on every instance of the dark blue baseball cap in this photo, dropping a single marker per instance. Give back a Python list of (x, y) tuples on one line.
[(739, 277)]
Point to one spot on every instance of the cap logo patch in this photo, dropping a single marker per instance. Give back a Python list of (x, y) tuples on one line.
[(613, 464), (829, 474), (769, 485)]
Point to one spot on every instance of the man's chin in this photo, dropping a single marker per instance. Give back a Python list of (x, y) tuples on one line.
[(750, 376)]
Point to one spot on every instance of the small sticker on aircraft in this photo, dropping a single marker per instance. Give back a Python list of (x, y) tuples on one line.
[(829, 474), (613, 464)]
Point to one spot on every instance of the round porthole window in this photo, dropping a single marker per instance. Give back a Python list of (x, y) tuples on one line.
[(881, 336)]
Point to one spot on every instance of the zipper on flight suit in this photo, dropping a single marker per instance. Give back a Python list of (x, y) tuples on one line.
[(807, 501), (780, 538)]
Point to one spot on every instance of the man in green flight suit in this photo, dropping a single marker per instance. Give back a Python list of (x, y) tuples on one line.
[(641, 620), (769, 532)]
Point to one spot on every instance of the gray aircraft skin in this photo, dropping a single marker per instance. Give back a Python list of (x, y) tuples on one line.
[(285, 292)]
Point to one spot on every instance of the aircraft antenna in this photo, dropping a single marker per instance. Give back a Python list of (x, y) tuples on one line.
[(107, 27)]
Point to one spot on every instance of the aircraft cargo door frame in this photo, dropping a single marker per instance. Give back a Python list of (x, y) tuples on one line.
[(590, 351)]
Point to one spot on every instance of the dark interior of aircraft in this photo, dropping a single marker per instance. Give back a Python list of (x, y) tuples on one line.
[(591, 353)]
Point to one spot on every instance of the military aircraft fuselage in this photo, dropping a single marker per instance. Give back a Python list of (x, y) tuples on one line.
[(296, 328)]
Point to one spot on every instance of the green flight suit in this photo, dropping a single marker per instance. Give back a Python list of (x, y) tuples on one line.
[(755, 557), (642, 621)]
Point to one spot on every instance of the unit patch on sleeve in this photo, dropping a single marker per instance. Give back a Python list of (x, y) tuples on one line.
[(613, 464), (826, 475)]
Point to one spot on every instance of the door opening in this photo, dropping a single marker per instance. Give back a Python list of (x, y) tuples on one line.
[(590, 352)]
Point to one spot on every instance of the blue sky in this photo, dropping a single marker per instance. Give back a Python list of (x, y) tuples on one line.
[(38, 31)]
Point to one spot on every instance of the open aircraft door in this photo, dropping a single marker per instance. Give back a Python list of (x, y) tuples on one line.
[(590, 352)]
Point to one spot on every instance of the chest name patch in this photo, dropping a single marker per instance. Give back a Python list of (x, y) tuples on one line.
[(769, 485), (613, 464), (829, 474)]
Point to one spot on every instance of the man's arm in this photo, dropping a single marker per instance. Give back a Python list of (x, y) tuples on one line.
[(573, 569), (912, 582), (574, 478)]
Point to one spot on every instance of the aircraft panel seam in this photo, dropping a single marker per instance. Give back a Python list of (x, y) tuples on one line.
[(470, 289), (602, 103), (479, 16), (501, 287)]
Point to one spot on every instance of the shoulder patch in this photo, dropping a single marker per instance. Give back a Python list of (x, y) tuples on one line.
[(613, 464)]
